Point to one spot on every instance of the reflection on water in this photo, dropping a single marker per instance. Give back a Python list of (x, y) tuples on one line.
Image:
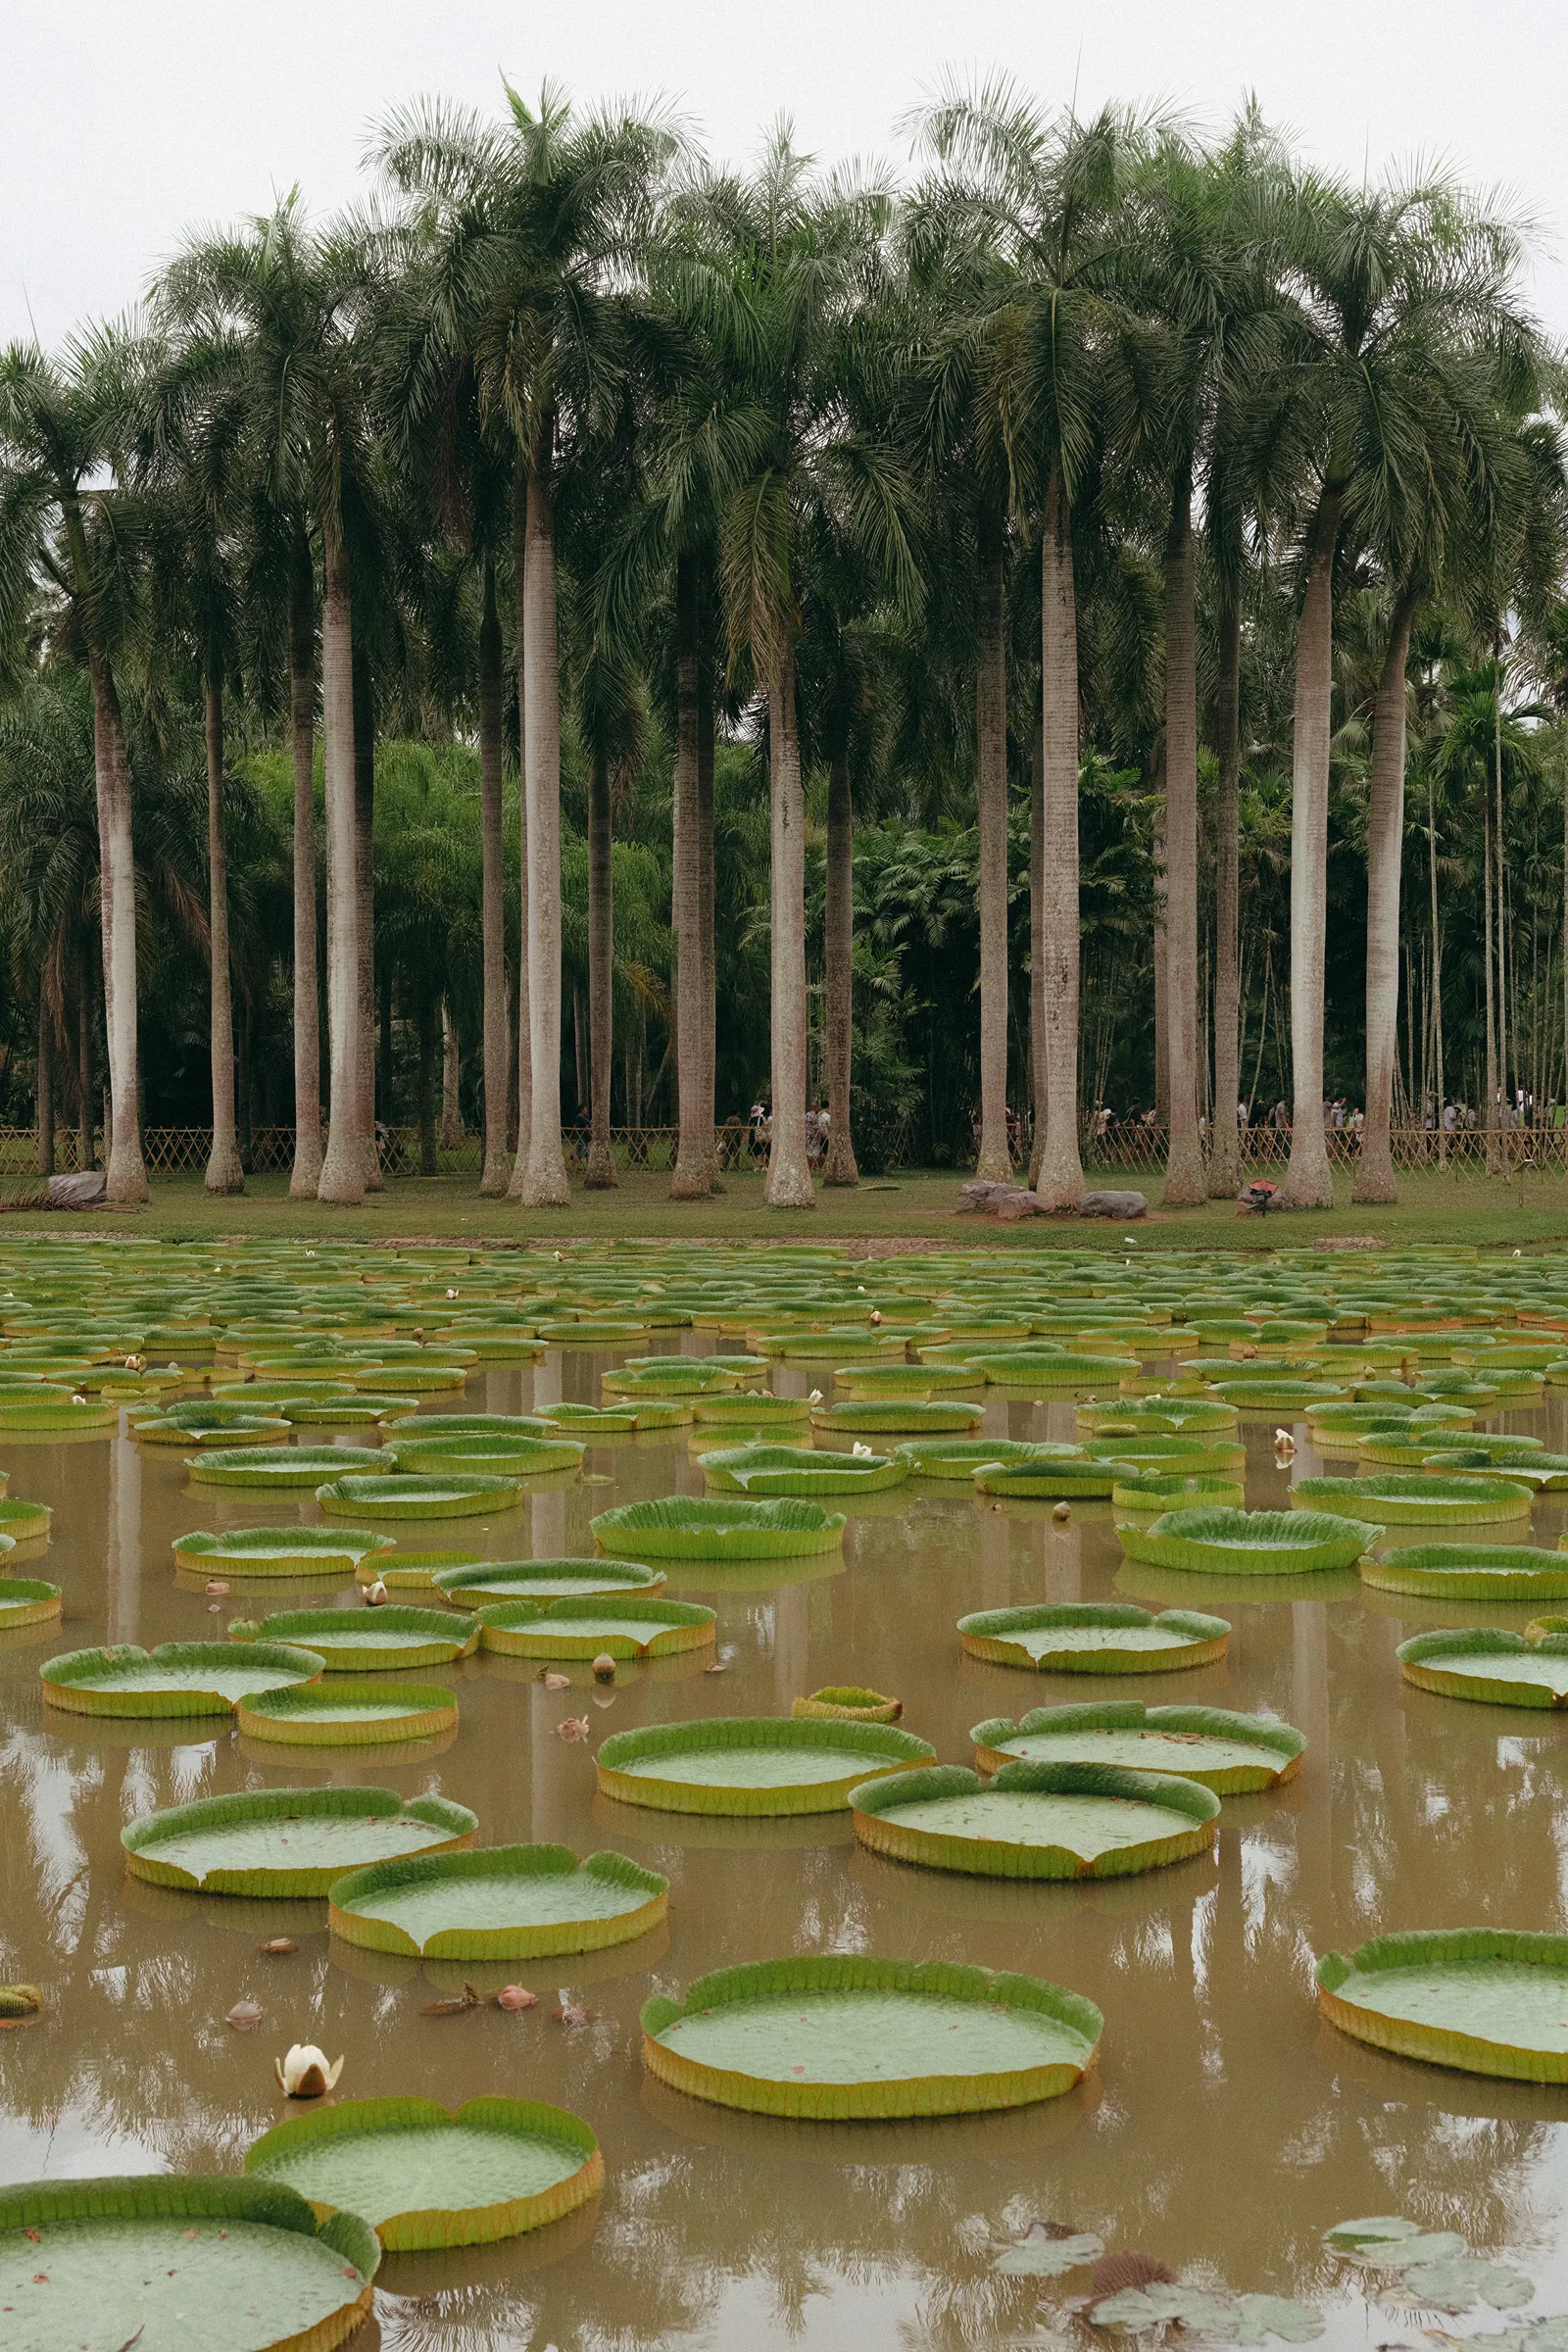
[(1226, 2130)]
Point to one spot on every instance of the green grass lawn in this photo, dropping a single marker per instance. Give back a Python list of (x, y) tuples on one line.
[(908, 1209)]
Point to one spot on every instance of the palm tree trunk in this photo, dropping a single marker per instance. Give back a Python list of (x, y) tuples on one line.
[(1185, 1182), (692, 1175), (450, 1077), (496, 1041), (838, 925), (991, 799), (788, 1184), (43, 1098), (545, 1183), (343, 1168), (223, 1171), (306, 1172), (1039, 1088), (524, 1068), (1309, 1182), (84, 1119), (127, 1171), (1061, 1179), (601, 1171), (1385, 843), (427, 1158), (364, 870), (708, 1007), (1225, 1143)]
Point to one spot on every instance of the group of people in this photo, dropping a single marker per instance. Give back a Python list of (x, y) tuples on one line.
[(818, 1126)]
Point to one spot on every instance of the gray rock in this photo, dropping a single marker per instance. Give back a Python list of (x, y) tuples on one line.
[(1123, 1206), (83, 1190), (1016, 1204)]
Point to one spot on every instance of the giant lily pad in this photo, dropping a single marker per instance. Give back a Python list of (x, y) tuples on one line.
[(504, 1457), (588, 1422), (415, 1496), (215, 1425), (1487, 2001), (178, 1677), (1036, 1820), (614, 1625), (1222, 1752), (276, 1469), (1194, 1456), (289, 1841), (1153, 1491), (751, 1764), (425, 2175), (845, 2037), (800, 1470), (386, 1641), (279, 1550), (353, 1715), (1215, 1541), (468, 1424), (1056, 1369), (1093, 1636), (676, 1526), (165, 2260), (1484, 1663), (1165, 1416), (26, 1602), (748, 1408), (1470, 1571), (71, 1419), (1047, 1470), (487, 1581), (1415, 1500), (958, 1458), (503, 1902), (892, 1414), (360, 1408)]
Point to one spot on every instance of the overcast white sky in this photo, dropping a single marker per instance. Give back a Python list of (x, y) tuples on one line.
[(123, 123)]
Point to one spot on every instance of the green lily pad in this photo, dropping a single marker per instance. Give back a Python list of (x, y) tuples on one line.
[(69, 1419), (958, 1458), (1220, 1750), (504, 1457), (1223, 1543), (892, 1414), (1036, 1820), (356, 1715), (1093, 1636), (276, 1469), (1487, 2001), (844, 2038), (26, 1602), (426, 2177), (416, 1496), (748, 1408), (751, 1764), (491, 1581), (389, 1639), (115, 2263), (614, 1624), (1165, 1490), (1486, 1663), (800, 1470), (471, 1424), (278, 1550), (502, 1903), (1047, 1470), (1415, 1500), (360, 1408), (679, 1526), (289, 1841), (1470, 1571), (178, 1677), (211, 1425)]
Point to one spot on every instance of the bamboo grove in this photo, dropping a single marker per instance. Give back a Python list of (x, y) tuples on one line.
[(597, 632)]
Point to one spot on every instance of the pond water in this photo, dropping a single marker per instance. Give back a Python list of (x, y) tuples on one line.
[(1225, 2129)]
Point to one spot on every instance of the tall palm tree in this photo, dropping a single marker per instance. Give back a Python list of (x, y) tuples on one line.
[(535, 219), (1055, 190), (66, 535)]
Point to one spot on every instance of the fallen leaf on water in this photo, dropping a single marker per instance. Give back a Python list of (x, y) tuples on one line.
[(452, 2004), (279, 1943), (575, 1727), (244, 2015), (516, 1997)]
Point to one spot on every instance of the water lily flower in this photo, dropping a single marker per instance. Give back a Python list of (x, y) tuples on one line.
[(865, 1452), (305, 2073), (376, 1595), (604, 1667), (575, 1727), (517, 1996), (556, 1681)]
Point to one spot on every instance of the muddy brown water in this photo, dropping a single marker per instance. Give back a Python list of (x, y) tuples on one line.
[(1225, 2130)]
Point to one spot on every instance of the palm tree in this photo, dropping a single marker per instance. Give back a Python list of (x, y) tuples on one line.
[(64, 536), (1054, 191), (268, 315), (533, 219)]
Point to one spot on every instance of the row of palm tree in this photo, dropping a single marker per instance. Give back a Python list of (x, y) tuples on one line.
[(1086, 441)]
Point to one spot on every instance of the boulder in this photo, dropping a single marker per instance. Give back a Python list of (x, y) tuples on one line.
[(1123, 1206), (1021, 1204), (1007, 1202), (87, 1187)]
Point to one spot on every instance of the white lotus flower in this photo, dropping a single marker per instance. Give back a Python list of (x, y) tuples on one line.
[(305, 2073), (865, 1452)]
